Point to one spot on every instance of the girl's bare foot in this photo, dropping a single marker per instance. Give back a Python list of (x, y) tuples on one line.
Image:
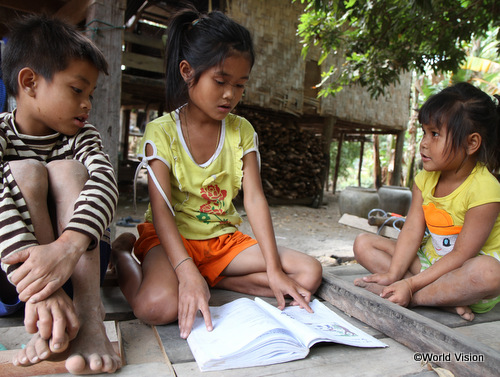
[(372, 287), (36, 350), (91, 350), (463, 311), (123, 243)]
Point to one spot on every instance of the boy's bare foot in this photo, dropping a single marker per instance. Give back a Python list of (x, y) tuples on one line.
[(372, 287), (36, 350), (91, 350), (463, 311)]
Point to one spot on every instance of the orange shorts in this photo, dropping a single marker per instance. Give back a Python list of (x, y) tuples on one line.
[(211, 256)]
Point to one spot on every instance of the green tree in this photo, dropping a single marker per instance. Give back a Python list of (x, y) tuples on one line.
[(381, 39)]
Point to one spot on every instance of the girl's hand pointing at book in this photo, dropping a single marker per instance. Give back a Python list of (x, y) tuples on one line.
[(282, 285), (193, 296)]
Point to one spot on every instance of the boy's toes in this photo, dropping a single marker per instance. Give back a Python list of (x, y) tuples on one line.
[(95, 362), (42, 349), (75, 364), (110, 364), (36, 350), (60, 345), (20, 358)]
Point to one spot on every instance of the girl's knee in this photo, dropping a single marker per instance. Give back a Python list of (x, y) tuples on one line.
[(362, 242), (484, 270), (312, 274), (156, 308)]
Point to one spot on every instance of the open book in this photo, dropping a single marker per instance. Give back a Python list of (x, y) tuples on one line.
[(252, 333)]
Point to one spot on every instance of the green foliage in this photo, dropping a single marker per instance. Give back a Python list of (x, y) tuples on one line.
[(382, 39)]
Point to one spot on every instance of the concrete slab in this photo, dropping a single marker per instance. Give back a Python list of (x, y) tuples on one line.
[(327, 360), (486, 333)]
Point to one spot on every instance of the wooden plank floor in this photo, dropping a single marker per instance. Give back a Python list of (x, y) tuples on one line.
[(425, 330), (159, 351)]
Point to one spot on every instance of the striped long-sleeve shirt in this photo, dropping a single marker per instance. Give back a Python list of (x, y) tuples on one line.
[(94, 208)]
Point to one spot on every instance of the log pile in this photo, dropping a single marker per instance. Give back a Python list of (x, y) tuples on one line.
[(292, 161)]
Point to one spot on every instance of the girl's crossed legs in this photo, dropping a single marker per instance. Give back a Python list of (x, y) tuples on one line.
[(478, 278), (151, 288)]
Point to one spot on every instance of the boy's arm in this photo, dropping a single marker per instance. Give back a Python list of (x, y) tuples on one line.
[(260, 220), (96, 205)]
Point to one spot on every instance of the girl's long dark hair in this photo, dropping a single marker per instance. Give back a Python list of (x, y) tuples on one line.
[(204, 41), (465, 109)]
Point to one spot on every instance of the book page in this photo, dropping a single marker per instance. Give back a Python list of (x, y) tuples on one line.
[(241, 328), (322, 325)]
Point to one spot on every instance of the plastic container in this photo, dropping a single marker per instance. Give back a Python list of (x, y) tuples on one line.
[(358, 201), (395, 199)]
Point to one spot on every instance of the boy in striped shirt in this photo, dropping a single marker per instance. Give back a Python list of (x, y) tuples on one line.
[(58, 194)]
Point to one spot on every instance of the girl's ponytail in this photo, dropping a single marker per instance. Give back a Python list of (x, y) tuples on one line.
[(204, 41), (176, 90)]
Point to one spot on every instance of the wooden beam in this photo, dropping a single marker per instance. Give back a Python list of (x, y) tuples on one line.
[(361, 223), (143, 41), (411, 329), (144, 62)]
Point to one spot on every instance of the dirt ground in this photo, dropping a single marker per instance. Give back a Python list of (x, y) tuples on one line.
[(315, 231)]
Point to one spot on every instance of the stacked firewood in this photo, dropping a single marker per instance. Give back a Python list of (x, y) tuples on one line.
[(292, 161)]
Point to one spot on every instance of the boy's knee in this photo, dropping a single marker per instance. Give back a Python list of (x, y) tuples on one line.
[(31, 176), (67, 172), (67, 168)]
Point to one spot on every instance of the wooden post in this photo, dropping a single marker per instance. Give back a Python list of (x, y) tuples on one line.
[(125, 128), (337, 162), (327, 142), (361, 153), (376, 163), (398, 159), (105, 25)]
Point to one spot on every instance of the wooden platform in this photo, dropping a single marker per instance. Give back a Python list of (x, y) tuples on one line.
[(159, 351)]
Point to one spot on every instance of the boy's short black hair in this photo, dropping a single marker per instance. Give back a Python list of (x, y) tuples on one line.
[(46, 45)]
